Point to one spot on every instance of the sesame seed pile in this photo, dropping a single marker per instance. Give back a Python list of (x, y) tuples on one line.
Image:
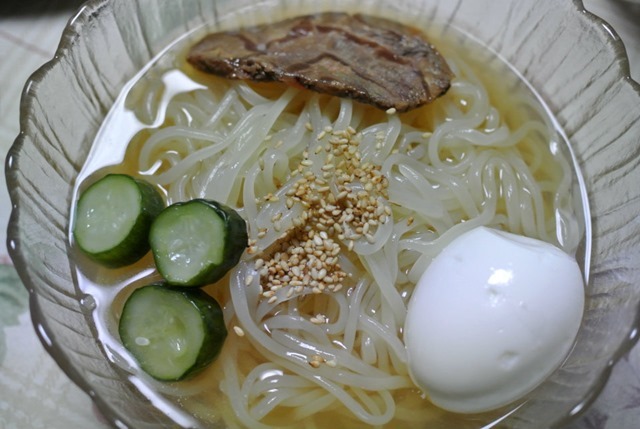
[(343, 202)]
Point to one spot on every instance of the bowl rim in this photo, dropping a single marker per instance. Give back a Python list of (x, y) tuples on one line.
[(72, 31)]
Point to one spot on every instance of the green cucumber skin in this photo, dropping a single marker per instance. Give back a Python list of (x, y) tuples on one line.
[(236, 241), (236, 238), (213, 324), (216, 331), (136, 245)]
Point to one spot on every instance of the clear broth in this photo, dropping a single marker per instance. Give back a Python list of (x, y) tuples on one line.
[(107, 290)]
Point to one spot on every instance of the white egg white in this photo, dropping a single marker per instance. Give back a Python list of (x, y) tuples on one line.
[(491, 318)]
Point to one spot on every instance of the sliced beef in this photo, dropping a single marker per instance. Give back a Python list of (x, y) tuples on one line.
[(370, 59)]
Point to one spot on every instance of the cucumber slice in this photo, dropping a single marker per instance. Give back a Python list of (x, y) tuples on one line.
[(113, 218), (172, 333), (197, 242)]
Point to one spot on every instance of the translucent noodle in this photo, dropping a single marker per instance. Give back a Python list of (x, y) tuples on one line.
[(451, 166)]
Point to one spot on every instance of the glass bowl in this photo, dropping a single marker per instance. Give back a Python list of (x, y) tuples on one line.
[(572, 59)]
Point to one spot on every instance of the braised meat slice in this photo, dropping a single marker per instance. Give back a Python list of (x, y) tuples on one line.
[(370, 59)]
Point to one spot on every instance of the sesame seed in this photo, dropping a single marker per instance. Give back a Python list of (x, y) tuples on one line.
[(318, 320), (306, 253), (239, 331), (322, 274), (296, 271), (248, 280)]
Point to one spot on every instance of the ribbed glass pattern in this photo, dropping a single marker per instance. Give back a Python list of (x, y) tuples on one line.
[(572, 59)]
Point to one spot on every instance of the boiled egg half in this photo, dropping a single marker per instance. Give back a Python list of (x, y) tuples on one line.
[(491, 318)]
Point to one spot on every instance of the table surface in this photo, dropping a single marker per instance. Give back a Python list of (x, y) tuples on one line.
[(34, 393)]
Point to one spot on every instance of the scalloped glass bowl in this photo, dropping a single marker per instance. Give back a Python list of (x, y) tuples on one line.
[(570, 57)]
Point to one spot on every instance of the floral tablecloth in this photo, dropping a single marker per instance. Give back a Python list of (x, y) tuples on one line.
[(34, 393)]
